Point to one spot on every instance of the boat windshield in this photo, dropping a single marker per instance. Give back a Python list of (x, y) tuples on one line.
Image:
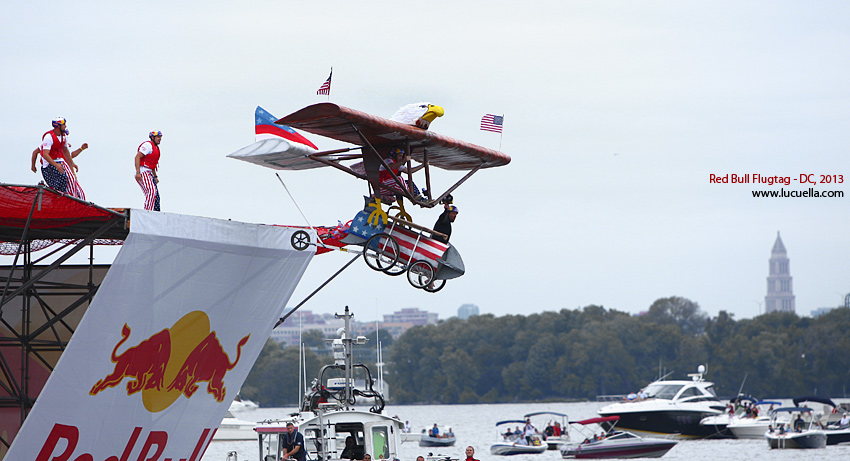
[(663, 391)]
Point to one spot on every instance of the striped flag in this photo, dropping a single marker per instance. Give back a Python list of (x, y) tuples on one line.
[(326, 87), (493, 123)]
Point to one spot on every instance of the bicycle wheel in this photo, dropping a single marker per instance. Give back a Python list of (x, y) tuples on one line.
[(300, 240), (380, 252), (420, 274)]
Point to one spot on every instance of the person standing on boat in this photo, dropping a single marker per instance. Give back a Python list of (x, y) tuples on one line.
[(293, 444), (434, 431), (529, 431), (469, 454), (147, 161)]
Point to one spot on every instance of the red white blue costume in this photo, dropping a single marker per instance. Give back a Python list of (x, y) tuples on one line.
[(147, 168)]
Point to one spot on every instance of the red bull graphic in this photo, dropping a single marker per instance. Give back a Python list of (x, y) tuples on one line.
[(172, 362), (145, 363), (207, 362), (63, 439)]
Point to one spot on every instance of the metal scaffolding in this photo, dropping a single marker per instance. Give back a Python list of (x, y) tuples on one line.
[(42, 302)]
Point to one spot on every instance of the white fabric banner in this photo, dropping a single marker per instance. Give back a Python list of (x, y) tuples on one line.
[(168, 340)]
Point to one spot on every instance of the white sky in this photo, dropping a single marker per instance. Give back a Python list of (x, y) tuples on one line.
[(615, 115)]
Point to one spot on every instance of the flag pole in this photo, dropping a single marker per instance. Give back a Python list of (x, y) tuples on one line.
[(329, 87), (501, 132)]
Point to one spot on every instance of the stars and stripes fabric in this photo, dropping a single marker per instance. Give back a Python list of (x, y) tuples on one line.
[(414, 246), (148, 185), (74, 187), (326, 87), (266, 128), (490, 122)]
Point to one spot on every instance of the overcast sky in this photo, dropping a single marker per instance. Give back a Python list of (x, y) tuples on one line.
[(616, 114)]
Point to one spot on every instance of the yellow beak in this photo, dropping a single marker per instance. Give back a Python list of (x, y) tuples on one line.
[(433, 112)]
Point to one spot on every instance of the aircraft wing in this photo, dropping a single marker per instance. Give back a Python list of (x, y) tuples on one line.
[(278, 154), (341, 123)]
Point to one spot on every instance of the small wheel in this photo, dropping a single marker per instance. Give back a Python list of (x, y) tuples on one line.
[(420, 274), (435, 286), (300, 240), (380, 252)]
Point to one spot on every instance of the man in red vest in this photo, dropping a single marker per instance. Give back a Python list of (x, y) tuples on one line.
[(55, 155), (147, 160)]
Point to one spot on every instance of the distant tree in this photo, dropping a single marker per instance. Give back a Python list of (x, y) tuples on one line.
[(314, 339), (680, 311)]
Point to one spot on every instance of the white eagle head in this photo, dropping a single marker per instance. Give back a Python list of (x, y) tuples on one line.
[(420, 114)]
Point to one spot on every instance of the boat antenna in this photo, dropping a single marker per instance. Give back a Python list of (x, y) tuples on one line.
[(302, 374), (741, 389)]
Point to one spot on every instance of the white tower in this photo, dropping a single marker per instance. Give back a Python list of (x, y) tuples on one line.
[(780, 290)]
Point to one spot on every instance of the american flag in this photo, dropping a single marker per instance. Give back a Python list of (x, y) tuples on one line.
[(326, 87), (493, 123)]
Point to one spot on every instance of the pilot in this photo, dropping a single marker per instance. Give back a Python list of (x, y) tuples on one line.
[(444, 222)]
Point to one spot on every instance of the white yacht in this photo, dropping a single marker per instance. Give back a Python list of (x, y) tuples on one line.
[(671, 407), (331, 427)]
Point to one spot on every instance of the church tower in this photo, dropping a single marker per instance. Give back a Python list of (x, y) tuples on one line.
[(780, 292)]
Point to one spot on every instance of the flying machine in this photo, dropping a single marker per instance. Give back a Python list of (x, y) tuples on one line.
[(386, 153)]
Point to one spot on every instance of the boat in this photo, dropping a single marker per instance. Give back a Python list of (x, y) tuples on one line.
[(515, 443), (443, 438), (331, 426), (555, 434), (232, 428), (743, 427), (794, 427), (671, 407), (240, 404), (829, 420), (737, 408), (612, 443)]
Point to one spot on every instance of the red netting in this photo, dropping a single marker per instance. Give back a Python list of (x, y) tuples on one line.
[(52, 210), (10, 248), (56, 218)]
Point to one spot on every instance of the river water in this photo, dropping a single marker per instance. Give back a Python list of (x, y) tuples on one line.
[(475, 425)]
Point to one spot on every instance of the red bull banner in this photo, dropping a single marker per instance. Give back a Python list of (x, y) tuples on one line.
[(168, 340)]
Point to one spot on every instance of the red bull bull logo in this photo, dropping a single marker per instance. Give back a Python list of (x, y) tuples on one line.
[(172, 362)]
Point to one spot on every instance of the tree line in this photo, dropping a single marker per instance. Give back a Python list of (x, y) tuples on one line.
[(582, 353)]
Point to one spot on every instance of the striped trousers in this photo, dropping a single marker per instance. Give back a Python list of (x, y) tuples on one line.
[(74, 186), (151, 191)]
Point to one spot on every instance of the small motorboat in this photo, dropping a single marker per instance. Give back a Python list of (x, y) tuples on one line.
[(743, 427), (555, 434), (741, 407), (232, 428), (837, 433), (610, 443), (794, 427), (515, 442), (442, 437)]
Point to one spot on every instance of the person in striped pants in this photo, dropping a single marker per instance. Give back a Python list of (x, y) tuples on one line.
[(147, 161)]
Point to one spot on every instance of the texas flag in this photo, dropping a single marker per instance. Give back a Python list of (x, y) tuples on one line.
[(266, 128)]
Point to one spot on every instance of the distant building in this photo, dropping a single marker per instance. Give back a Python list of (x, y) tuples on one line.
[(780, 291), (411, 315), (466, 311), (820, 311), (303, 320)]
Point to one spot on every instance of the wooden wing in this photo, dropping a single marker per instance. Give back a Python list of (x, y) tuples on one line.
[(344, 124)]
